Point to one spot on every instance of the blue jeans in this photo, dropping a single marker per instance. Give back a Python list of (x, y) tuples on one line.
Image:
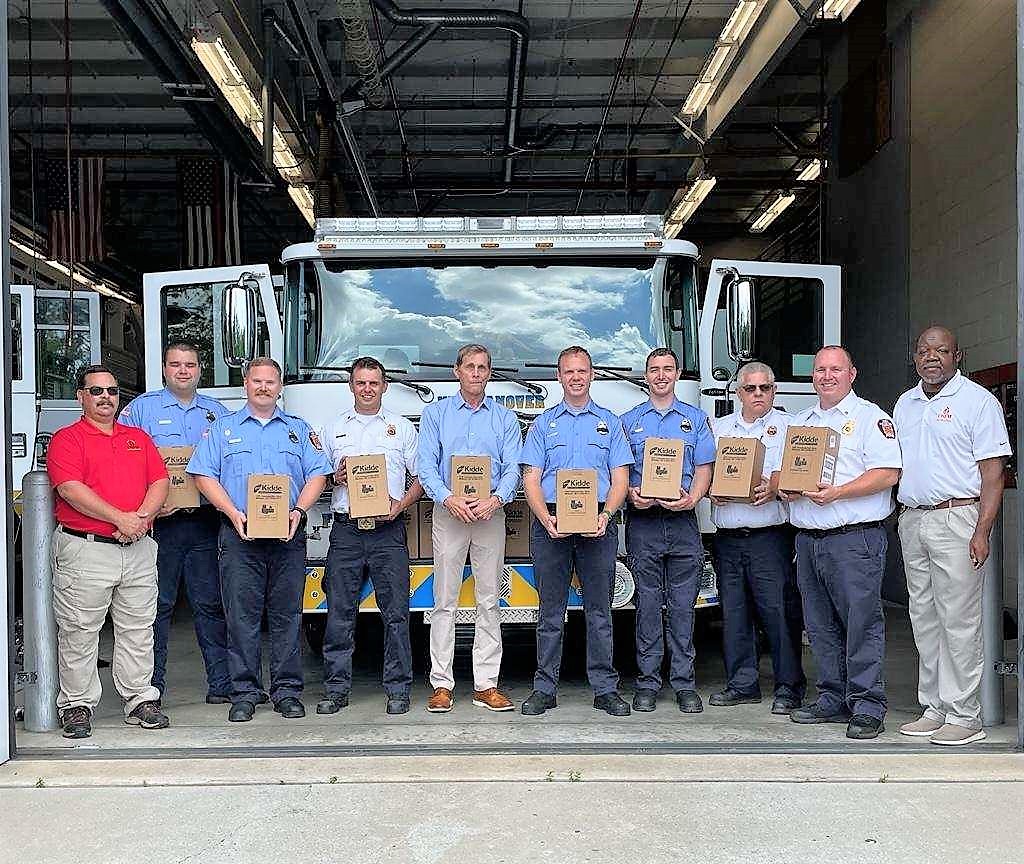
[(840, 579), (258, 575), (382, 554), (666, 557), (187, 552), (757, 582)]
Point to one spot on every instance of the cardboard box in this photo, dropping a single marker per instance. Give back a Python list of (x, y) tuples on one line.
[(412, 533), (183, 492), (518, 519), (266, 512), (809, 458), (739, 466), (662, 476), (367, 486), (425, 524), (576, 500), (471, 476)]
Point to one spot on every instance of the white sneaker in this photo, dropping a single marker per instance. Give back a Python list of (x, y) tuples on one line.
[(951, 735), (923, 727)]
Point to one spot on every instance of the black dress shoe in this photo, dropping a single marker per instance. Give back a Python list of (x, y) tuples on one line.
[(397, 704), (689, 702), (290, 708), (864, 727), (217, 699), (813, 713), (241, 712), (538, 702), (645, 700), (332, 704), (785, 705), (612, 703), (729, 697)]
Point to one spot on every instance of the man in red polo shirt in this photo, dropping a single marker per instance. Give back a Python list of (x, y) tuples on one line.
[(110, 483)]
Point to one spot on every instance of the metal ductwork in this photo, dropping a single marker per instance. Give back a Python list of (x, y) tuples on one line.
[(467, 19), (358, 49)]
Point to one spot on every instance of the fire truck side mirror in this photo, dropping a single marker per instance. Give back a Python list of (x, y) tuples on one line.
[(742, 313), (239, 318)]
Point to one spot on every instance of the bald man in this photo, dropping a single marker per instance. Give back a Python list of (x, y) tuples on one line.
[(955, 445)]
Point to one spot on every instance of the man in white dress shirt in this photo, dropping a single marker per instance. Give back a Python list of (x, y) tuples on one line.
[(955, 445)]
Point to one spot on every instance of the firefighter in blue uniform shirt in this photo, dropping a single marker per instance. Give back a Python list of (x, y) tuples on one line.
[(662, 538), (258, 575), (576, 433), (177, 416)]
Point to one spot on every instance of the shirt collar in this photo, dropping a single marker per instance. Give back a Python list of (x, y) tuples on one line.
[(677, 406), (169, 400), (563, 408), (460, 402), (355, 415), (738, 420), (277, 415), (847, 405), (950, 388)]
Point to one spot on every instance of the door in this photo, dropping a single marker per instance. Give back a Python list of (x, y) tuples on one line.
[(796, 311), (23, 384), (186, 306)]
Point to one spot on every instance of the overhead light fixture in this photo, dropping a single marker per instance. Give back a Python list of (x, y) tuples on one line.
[(222, 68), (303, 199), (27, 255), (839, 8), (727, 46), (811, 172), (688, 204), (775, 209)]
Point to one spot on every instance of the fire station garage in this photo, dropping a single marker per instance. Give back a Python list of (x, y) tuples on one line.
[(320, 180)]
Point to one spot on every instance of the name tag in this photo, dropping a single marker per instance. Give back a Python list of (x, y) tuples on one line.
[(164, 422), (234, 440)]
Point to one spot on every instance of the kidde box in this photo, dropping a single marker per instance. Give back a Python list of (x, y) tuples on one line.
[(266, 513), (662, 476), (576, 500), (809, 458), (738, 466), (183, 492), (367, 486), (517, 529), (471, 476)]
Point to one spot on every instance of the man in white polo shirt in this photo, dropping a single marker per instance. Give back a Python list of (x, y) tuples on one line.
[(840, 551), (955, 446)]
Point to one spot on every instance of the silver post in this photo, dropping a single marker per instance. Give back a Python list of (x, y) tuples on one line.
[(40, 629), (993, 705)]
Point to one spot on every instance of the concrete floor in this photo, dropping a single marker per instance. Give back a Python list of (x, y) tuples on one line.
[(197, 728)]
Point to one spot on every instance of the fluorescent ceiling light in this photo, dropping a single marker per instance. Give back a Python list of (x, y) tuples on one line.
[(688, 205), (224, 71), (775, 209), (27, 255), (740, 22), (303, 199), (839, 8), (810, 172), (699, 97)]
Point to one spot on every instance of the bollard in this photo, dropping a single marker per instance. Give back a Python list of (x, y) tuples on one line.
[(993, 705), (40, 629)]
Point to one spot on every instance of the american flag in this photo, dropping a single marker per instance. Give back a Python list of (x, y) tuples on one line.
[(79, 236), (209, 200)]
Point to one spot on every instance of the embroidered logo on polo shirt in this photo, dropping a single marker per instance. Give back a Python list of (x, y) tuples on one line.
[(849, 426), (886, 428), (772, 431), (391, 430), (602, 427), (292, 436), (131, 444), (685, 425), (945, 415), (210, 416)]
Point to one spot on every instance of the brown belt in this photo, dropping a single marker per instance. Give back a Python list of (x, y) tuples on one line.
[(948, 503)]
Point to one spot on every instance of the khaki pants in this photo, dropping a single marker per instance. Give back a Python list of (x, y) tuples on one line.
[(945, 611), (485, 542), (90, 578)]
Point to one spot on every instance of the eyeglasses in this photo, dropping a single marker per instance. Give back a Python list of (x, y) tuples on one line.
[(98, 391), (757, 388)]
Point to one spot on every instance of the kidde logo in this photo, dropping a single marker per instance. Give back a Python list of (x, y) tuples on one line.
[(803, 439), (663, 451), (471, 471), (267, 488), (575, 484), (734, 451), (176, 461), (369, 470)]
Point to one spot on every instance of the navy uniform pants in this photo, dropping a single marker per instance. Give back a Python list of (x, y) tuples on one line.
[(666, 556), (554, 562), (756, 582), (258, 575), (187, 553), (840, 578), (382, 554)]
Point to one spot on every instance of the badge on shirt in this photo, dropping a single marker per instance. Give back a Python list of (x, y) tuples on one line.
[(638, 429), (292, 436), (945, 415), (886, 428), (314, 439), (227, 432), (602, 427), (132, 445), (685, 425), (849, 426), (210, 416), (392, 431), (772, 431)]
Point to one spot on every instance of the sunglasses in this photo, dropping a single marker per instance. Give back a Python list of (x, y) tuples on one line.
[(98, 391), (758, 388)]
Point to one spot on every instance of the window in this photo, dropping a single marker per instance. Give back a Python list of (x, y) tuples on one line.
[(789, 326), (191, 313), (58, 356), (680, 310), (16, 346)]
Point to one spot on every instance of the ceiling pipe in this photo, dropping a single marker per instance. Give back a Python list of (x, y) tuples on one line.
[(511, 22)]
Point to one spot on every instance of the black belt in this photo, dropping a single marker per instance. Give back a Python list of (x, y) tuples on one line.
[(746, 532), (95, 538), (842, 529)]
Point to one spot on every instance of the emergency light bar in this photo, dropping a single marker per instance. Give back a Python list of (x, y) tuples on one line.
[(490, 225)]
